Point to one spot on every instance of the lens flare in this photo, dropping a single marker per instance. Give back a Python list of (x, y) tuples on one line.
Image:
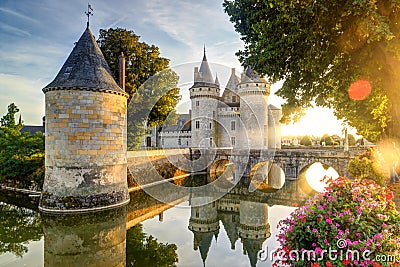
[(359, 90)]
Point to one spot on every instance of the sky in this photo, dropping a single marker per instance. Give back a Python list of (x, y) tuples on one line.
[(37, 36)]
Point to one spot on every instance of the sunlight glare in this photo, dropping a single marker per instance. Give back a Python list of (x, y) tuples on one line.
[(359, 90), (316, 172)]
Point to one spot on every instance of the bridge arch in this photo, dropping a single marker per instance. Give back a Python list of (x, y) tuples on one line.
[(222, 171), (310, 176), (267, 175)]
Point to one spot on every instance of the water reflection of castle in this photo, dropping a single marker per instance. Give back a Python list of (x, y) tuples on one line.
[(244, 216), (241, 219)]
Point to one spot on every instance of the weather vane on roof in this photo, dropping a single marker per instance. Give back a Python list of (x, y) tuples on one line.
[(89, 13)]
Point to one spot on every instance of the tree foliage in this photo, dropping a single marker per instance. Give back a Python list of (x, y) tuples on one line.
[(8, 120), (21, 155), (320, 48), (327, 139), (145, 250), (367, 166), (151, 85), (306, 141), (351, 140)]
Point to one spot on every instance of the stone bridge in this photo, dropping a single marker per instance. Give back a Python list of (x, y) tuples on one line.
[(272, 167), (290, 162)]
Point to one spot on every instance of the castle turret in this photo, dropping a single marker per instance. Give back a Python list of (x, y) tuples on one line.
[(204, 95), (204, 224), (85, 134), (274, 127), (254, 92), (254, 228)]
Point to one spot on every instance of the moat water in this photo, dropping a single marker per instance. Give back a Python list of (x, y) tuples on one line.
[(227, 232)]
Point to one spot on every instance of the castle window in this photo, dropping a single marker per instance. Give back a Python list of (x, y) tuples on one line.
[(199, 89), (234, 99), (197, 214), (233, 125), (197, 125), (233, 141), (210, 125), (211, 142), (197, 103), (209, 89), (179, 142), (162, 141)]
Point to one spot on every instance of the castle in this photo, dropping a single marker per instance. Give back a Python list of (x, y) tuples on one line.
[(240, 118)]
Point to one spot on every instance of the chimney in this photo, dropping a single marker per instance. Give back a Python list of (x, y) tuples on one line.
[(122, 71), (196, 74)]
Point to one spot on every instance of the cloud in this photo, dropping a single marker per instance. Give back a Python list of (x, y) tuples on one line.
[(18, 15), (26, 94), (14, 30), (188, 22)]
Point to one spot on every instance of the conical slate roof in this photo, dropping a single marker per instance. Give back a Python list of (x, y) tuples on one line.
[(233, 81), (85, 69), (250, 75), (205, 70), (216, 79)]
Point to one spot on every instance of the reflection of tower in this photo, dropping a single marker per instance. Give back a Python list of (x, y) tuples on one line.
[(204, 95), (228, 212), (204, 224), (91, 239), (254, 228), (254, 92)]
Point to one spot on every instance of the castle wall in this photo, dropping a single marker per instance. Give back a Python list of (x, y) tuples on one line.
[(86, 163), (176, 139), (254, 115), (227, 116)]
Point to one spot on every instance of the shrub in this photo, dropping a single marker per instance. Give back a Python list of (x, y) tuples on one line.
[(21, 159), (365, 166), (357, 215), (327, 139), (306, 141)]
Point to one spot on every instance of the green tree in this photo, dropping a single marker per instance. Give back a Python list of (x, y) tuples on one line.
[(21, 155), (150, 83), (327, 139), (352, 140), (8, 120), (320, 48), (306, 141), (145, 250)]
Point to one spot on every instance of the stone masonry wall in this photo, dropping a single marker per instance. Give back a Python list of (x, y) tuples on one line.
[(85, 147)]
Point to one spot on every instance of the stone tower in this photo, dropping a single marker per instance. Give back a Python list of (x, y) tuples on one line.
[(274, 127), (204, 95), (254, 92), (85, 143)]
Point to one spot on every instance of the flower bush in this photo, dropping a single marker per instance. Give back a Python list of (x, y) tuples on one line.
[(352, 223)]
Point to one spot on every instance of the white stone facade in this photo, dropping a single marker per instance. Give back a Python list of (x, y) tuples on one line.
[(239, 118)]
